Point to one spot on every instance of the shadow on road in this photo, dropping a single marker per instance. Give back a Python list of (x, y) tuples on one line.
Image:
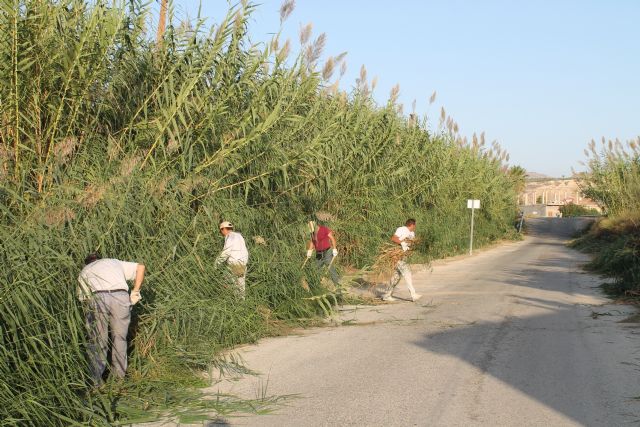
[(550, 349), (558, 229)]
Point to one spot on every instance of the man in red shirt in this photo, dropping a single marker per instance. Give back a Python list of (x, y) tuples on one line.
[(324, 243)]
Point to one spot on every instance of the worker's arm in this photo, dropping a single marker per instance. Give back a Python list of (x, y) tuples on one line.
[(139, 277), (395, 239), (226, 252), (333, 240)]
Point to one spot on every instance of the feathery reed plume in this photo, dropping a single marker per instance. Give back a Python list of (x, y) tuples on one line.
[(285, 10), (284, 52), (333, 89), (238, 22), (56, 216), (343, 99), (113, 149), (172, 145), (157, 188), (4, 162), (343, 68), (305, 33), (259, 240), (129, 164), (327, 70), (395, 92), (63, 150), (482, 140), (456, 128), (275, 43), (325, 216), (341, 57), (443, 114), (363, 73), (314, 51), (413, 107), (432, 98), (374, 83), (92, 195), (190, 183)]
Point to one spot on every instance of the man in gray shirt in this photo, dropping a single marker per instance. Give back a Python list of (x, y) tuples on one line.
[(103, 286)]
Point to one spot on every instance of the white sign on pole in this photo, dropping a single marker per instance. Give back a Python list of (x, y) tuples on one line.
[(472, 204)]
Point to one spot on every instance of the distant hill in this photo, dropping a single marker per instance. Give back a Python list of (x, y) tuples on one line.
[(535, 175)]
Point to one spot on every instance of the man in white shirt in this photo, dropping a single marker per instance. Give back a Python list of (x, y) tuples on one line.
[(235, 255), (403, 237), (103, 286)]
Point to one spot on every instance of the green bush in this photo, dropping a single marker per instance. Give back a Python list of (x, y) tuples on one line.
[(572, 209)]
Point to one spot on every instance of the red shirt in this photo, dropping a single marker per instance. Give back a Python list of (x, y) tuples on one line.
[(320, 239)]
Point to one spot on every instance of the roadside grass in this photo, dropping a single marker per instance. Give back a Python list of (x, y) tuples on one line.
[(615, 246)]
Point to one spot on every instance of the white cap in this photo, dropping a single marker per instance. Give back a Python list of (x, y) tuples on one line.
[(225, 224)]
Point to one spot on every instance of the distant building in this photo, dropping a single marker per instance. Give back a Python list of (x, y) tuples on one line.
[(544, 196)]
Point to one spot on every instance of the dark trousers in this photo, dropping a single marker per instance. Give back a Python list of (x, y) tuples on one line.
[(324, 258)]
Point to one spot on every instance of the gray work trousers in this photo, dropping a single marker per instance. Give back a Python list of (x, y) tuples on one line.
[(402, 269), (238, 274), (324, 258), (108, 311)]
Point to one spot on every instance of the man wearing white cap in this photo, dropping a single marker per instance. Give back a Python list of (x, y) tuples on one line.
[(235, 254)]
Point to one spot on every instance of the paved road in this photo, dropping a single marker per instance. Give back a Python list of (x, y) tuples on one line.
[(504, 338)]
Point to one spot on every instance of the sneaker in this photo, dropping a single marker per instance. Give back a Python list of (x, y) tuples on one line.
[(388, 298), (416, 297)]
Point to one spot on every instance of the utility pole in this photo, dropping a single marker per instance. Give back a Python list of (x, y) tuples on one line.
[(473, 205), (162, 22)]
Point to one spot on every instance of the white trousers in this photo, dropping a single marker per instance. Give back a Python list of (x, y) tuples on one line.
[(402, 270)]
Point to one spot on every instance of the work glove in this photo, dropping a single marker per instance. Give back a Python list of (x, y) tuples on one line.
[(405, 246), (135, 297), (335, 252), (309, 253)]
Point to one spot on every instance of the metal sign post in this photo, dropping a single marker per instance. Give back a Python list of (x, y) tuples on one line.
[(473, 205)]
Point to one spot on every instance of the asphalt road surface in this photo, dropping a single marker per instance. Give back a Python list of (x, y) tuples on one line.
[(517, 335)]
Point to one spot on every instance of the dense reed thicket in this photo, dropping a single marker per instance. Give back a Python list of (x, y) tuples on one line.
[(613, 181), (110, 141)]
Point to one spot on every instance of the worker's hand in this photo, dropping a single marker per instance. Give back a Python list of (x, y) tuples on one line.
[(335, 252), (309, 253), (135, 297), (405, 246)]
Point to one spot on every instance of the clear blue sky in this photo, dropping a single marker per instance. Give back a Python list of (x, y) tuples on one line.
[(540, 77)]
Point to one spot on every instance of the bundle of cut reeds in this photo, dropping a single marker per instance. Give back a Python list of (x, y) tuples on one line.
[(388, 257)]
